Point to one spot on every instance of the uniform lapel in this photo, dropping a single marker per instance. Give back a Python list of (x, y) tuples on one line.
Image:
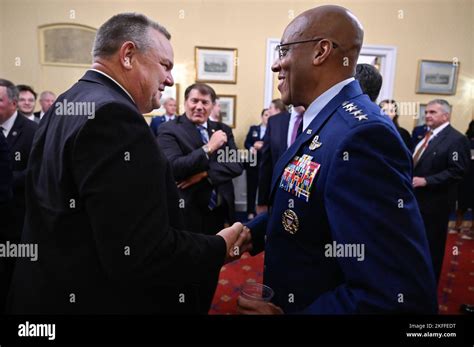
[(350, 91)]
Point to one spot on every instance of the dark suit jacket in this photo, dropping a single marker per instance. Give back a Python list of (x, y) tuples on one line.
[(37, 117), (181, 142), (274, 145), (418, 134), (20, 139), (6, 172), (103, 208), (443, 163), (405, 135), (253, 136)]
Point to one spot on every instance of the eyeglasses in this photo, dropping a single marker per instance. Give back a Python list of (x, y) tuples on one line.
[(283, 51)]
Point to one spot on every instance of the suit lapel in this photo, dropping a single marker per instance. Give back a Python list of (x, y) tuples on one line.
[(350, 91), (433, 144), (15, 131), (190, 131)]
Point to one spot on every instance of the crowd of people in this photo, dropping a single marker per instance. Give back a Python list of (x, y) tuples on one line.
[(137, 218)]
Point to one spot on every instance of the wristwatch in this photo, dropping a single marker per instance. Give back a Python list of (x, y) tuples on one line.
[(207, 149)]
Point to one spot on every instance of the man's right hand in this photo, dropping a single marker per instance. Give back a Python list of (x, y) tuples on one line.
[(217, 140), (237, 239)]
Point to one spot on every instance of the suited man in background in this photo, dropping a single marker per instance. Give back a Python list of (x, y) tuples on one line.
[(19, 132), (101, 200), (170, 114), (254, 142), (46, 100), (26, 101), (6, 194), (193, 145), (216, 111), (348, 159), (440, 162), (282, 131), (370, 80)]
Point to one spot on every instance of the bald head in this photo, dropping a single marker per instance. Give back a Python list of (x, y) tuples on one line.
[(334, 23), (322, 45)]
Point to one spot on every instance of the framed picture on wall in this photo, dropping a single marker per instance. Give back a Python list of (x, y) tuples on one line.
[(66, 44), (228, 109), (437, 77), (216, 65), (169, 92), (420, 116)]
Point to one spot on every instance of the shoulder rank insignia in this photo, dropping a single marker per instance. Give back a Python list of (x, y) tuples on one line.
[(354, 110)]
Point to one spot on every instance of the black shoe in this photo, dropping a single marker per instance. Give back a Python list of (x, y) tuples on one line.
[(467, 309)]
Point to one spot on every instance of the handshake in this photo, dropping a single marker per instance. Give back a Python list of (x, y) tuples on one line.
[(238, 240)]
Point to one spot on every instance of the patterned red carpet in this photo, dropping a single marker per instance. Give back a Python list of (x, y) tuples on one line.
[(455, 288)]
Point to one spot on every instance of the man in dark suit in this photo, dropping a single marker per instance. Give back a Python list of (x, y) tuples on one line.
[(440, 161), (331, 243), (26, 101), (170, 114), (6, 195), (46, 100), (196, 147), (19, 132), (254, 143), (102, 205)]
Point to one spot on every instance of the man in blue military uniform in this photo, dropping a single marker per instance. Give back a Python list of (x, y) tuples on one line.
[(344, 233)]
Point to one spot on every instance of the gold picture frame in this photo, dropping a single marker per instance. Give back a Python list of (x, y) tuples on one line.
[(228, 105), (66, 44), (437, 77), (216, 65)]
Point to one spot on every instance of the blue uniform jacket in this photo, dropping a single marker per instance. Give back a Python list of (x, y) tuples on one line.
[(352, 189)]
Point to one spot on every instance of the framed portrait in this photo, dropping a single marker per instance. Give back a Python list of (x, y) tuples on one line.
[(420, 116), (228, 106), (216, 65), (66, 44), (169, 92), (437, 77)]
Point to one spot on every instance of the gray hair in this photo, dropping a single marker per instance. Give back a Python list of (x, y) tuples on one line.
[(125, 27), (47, 92), (443, 103), (168, 100), (12, 90)]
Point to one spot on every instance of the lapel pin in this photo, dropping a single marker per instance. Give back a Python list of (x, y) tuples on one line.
[(309, 131), (14, 133), (315, 144)]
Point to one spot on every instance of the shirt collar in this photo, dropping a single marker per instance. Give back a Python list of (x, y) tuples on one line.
[(8, 124), (104, 74), (321, 101), (440, 128)]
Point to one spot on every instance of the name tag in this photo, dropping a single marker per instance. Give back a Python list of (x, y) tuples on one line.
[(299, 175)]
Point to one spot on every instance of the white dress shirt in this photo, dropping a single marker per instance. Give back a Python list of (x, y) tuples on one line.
[(263, 130), (103, 73), (321, 101), (435, 133), (168, 117), (8, 124)]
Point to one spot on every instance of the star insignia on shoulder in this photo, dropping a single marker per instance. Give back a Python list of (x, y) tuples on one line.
[(361, 117)]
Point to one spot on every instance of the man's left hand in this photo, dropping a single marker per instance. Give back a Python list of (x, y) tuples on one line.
[(419, 182), (246, 306)]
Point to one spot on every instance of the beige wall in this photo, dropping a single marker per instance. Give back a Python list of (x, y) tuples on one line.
[(438, 30)]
